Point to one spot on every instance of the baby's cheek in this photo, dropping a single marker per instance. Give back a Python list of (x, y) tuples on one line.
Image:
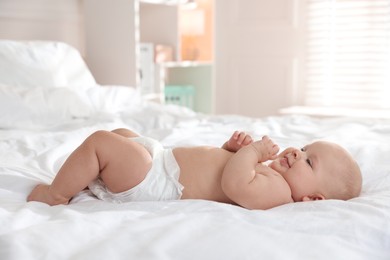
[(275, 165)]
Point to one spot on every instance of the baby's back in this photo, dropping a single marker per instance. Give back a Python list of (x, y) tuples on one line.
[(201, 172)]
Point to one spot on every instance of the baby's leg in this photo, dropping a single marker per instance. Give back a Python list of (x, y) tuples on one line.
[(121, 163), (125, 132)]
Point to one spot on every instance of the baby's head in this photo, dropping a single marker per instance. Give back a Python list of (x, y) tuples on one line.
[(321, 170)]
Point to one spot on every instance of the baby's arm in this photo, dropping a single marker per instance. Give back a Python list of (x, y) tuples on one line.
[(251, 184), (237, 141)]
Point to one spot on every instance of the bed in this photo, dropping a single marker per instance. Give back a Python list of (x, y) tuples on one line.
[(50, 103)]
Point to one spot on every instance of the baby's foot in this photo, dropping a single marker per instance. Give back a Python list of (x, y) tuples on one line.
[(41, 193)]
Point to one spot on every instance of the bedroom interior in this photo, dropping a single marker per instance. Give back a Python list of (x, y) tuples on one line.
[(190, 72)]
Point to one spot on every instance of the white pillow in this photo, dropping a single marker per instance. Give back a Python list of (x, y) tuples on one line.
[(37, 107), (42, 64)]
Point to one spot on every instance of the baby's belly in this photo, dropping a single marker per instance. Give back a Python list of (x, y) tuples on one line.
[(201, 171)]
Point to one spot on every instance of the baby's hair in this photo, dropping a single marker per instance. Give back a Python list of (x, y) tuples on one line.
[(353, 180), (345, 178), (350, 180)]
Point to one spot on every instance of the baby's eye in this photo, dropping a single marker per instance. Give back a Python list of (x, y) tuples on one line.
[(309, 162), (303, 149)]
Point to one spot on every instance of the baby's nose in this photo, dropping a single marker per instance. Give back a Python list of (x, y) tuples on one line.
[(296, 154)]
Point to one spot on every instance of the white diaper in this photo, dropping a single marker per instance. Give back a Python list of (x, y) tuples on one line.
[(160, 183)]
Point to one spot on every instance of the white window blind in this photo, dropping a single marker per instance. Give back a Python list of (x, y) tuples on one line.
[(348, 61)]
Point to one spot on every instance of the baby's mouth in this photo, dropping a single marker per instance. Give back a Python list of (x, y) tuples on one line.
[(284, 162)]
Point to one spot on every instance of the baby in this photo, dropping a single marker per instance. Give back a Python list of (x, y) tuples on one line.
[(120, 166)]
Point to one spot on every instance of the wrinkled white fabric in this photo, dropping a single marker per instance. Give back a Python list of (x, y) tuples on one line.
[(193, 229), (45, 115)]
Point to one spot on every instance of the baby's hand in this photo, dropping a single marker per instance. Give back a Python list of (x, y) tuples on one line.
[(266, 149), (237, 141)]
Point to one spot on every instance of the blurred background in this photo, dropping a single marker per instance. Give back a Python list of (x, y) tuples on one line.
[(247, 57)]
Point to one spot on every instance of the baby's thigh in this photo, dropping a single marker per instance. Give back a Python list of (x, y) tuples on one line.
[(126, 164)]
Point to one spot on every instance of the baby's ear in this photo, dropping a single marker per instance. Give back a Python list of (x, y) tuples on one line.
[(315, 196)]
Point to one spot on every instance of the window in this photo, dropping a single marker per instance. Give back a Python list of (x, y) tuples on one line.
[(348, 59)]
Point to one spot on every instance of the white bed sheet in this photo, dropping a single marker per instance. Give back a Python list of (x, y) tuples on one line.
[(191, 229), (45, 115)]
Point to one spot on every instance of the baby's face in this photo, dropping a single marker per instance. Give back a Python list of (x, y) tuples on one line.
[(307, 170)]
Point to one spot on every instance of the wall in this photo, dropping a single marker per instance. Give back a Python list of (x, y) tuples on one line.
[(258, 55), (95, 27), (110, 41), (43, 20)]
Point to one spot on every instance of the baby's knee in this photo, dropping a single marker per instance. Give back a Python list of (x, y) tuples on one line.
[(124, 132), (119, 130), (98, 137)]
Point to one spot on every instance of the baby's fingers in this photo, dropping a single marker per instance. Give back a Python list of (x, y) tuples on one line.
[(247, 140), (272, 148), (235, 135), (243, 139), (274, 152)]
